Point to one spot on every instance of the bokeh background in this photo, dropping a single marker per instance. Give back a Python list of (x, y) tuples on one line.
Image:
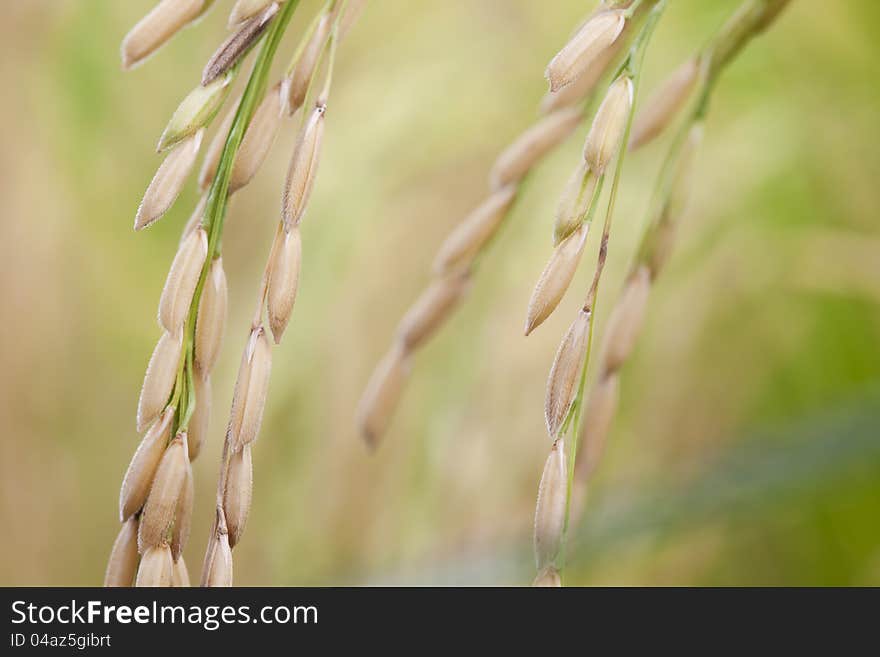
[(746, 450)]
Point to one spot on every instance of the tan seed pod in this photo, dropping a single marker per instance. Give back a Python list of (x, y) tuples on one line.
[(257, 140), (625, 322), (238, 493), (183, 277), (156, 567), (584, 84), (296, 86), (123, 562), (159, 379), (565, 375), (609, 126), (164, 497), (215, 150), (432, 309), (179, 573), (251, 389), (382, 394), (168, 181), (242, 10), (303, 169), (598, 417), (283, 279), (518, 158), (591, 41), (183, 513), (474, 232), (200, 420), (217, 569), (195, 111), (577, 198), (211, 318), (664, 104), (550, 510), (238, 44), (157, 27), (143, 466), (555, 278), (548, 578)]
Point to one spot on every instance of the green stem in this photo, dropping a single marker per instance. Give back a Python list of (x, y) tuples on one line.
[(750, 20), (632, 67), (218, 194)]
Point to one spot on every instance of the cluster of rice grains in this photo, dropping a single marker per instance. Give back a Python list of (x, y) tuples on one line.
[(563, 483), (454, 265), (603, 56), (156, 499)]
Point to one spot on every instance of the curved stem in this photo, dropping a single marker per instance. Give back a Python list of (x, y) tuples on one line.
[(632, 66)]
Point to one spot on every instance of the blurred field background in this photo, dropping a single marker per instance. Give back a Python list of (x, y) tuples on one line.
[(747, 448)]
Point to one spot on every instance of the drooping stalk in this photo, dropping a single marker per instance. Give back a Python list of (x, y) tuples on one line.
[(218, 195), (632, 67), (750, 20)]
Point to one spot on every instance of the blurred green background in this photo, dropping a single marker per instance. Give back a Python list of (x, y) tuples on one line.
[(747, 447)]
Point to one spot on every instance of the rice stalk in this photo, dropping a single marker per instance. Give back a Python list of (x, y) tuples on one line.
[(627, 318), (275, 299), (608, 132), (156, 500)]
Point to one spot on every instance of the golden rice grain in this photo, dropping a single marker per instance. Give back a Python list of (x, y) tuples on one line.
[(183, 513), (238, 494), (584, 84), (555, 278), (251, 389), (474, 232), (598, 417), (257, 140), (142, 469), (217, 570), (565, 375), (159, 378), (591, 41), (183, 277), (303, 169), (575, 202), (211, 318), (431, 309), (156, 567), (168, 181), (283, 279), (162, 502), (157, 27), (625, 322), (296, 86), (518, 158), (550, 509), (662, 107), (609, 126), (195, 111), (382, 394), (123, 562), (199, 422)]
